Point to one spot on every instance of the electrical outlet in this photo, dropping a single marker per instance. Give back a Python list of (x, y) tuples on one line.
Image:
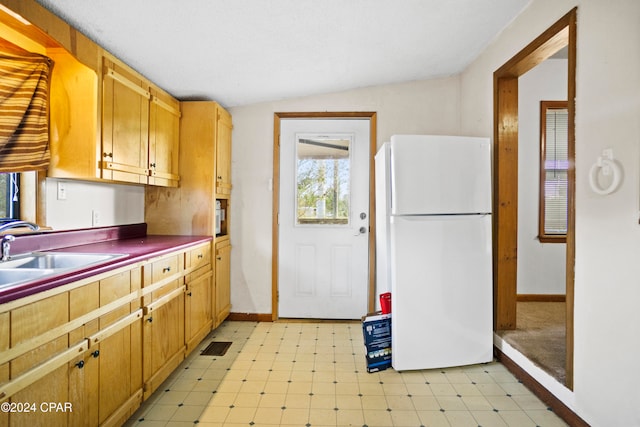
[(62, 190), (95, 218)]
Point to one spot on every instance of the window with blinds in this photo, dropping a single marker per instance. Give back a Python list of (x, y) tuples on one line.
[(554, 165)]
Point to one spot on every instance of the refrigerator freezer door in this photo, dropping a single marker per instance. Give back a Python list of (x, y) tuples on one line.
[(441, 291), (440, 175)]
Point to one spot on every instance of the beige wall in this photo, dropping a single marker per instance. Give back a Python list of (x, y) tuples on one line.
[(114, 204), (418, 107), (541, 266)]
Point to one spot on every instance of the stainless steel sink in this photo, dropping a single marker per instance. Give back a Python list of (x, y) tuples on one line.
[(12, 277), (56, 260), (37, 265)]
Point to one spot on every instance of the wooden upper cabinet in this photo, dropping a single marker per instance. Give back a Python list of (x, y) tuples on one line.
[(125, 125), (74, 118), (223, 153), (164, 130), (108, 122), (190, 208)]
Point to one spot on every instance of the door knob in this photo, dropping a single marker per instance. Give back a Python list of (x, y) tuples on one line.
[(363, 215), (362, 230)]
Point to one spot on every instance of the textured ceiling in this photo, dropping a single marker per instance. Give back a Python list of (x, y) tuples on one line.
[(241, 52)]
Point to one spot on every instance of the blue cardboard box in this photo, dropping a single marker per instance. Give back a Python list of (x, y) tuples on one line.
[(376, 329)]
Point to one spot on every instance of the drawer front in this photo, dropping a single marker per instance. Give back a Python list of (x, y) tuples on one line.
[(197, 274), (164, 268), (222, 244), (198, 257)]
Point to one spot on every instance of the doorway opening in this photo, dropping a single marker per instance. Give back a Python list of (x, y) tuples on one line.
[(560, 35), (320, 212)]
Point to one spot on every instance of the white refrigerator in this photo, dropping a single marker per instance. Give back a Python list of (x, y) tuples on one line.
[(433, 232)]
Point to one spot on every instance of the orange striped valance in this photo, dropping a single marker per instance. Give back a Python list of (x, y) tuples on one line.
[(24, 124)]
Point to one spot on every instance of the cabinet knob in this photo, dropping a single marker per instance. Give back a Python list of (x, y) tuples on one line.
[(150, 319), (152, 165), (108, 155), (95, 353), (200, 256), (166, 269), (219, 258), (80, 364), (219, 177), (189, 293)]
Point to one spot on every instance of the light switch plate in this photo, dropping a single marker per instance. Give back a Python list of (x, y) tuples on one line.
[(62, 190)]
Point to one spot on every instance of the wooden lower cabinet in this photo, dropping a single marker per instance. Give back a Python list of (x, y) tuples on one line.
[(39, 373), (223, 279), (104, 346), (106, 381), (199, 297), (163, 329), (4, 367), (197, 303)]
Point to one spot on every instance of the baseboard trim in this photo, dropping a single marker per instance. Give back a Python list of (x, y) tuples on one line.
[(541, 298), (540, 391), (251, 317)]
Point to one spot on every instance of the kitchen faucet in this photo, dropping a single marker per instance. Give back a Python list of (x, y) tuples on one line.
[(6, 240), (6, 246), (19, 223)]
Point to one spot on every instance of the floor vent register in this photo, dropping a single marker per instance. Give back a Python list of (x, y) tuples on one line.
[(216, 348)]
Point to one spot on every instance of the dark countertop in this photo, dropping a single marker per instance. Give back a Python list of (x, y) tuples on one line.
[(130, 240)]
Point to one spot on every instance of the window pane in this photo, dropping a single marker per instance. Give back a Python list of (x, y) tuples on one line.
[(322, 176), (553, 170), (556, 147), (555, 203), (4, 195), (8, 195)]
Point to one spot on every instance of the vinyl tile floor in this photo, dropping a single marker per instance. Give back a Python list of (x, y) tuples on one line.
[(313, 374)]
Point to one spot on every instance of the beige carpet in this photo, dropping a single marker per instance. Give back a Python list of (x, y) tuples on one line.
[(540, 335)]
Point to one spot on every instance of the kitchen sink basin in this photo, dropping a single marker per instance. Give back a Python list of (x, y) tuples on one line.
[(56, 260), (37, 265), (11, 277)]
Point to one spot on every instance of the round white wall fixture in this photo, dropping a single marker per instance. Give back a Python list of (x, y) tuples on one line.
[(606, 166)]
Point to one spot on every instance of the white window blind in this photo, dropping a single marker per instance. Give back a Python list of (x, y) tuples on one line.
[(554, 172)]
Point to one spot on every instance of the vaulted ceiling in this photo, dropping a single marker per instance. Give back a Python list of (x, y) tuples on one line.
[(241, 52)]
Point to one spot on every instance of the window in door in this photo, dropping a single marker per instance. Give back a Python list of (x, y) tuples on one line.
[(323, 171), (9, 197), (554, 167)]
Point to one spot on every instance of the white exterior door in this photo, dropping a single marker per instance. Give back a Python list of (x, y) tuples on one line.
[(323, 218)]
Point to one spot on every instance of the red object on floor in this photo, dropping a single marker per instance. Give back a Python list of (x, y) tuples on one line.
[(385, 302)]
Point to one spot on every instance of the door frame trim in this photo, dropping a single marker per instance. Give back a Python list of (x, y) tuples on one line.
[(505, 176), (277, 117)]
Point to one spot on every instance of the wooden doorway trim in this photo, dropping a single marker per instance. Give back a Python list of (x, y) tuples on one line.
[(372, 117), (505, 176)]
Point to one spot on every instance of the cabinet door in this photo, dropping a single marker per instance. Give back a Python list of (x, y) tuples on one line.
[(119, 349), (54, 385), (222, 286), (163, 342), (4, 367), (83, 371), (163, 329), (164, 128), (106, 381), (198, 307), (223, 152), (125, 126)]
